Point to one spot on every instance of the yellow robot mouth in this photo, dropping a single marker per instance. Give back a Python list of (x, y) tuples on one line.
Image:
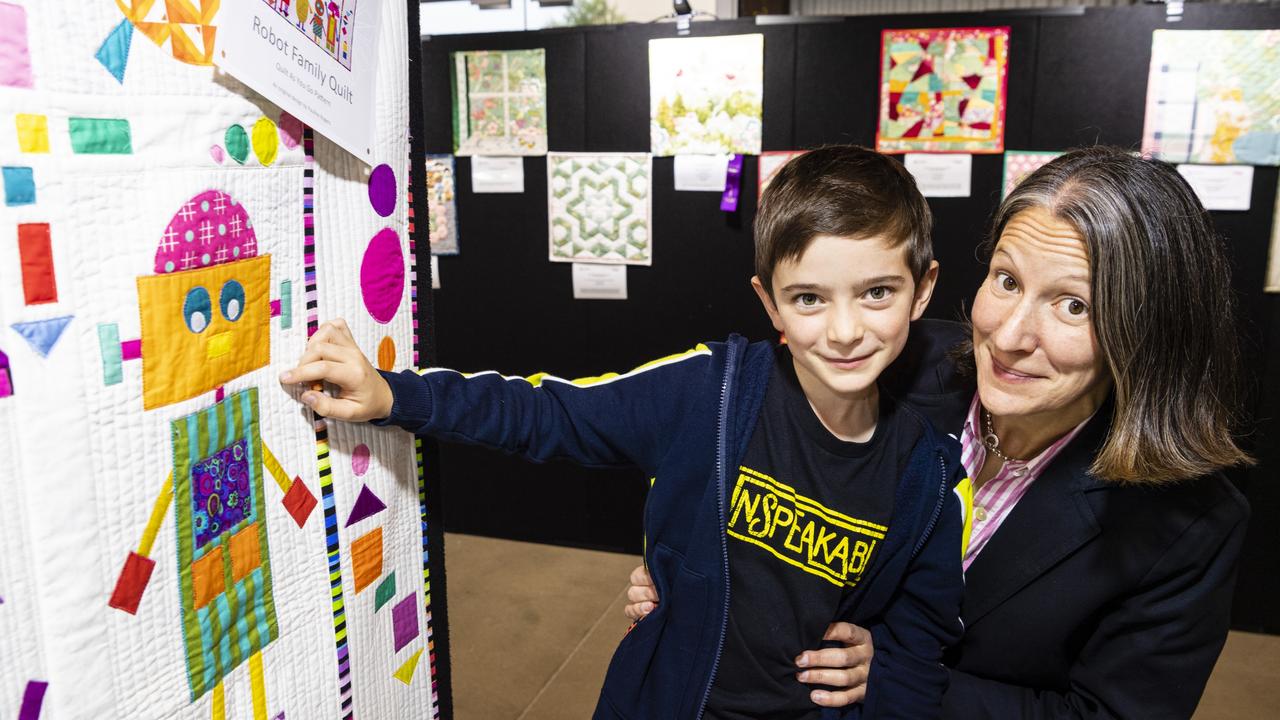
[(219, 345)]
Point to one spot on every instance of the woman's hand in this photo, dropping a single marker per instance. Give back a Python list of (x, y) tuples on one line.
[(844, 668), (642, 596)]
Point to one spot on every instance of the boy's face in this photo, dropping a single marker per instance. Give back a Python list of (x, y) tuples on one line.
[(844, 307)]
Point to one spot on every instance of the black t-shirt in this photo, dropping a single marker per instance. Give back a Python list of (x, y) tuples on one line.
[(807, 514)]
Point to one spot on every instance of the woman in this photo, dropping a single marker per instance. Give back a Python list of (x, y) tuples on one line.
[(1101, 561)]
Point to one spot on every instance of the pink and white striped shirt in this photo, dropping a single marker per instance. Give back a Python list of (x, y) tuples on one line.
[(993, 502)]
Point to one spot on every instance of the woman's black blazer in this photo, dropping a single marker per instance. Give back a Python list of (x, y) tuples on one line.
[(1092, 599)]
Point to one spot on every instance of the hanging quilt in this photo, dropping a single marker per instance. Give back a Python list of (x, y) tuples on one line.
[(943, 90), (183, 539), (599, 207), (1020, 163), (442, 208), (499, 102), (770, 163), (706, 95), (1212, 97)]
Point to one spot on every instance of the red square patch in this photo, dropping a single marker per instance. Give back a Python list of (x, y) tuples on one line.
[(132, 581), (299, 501)]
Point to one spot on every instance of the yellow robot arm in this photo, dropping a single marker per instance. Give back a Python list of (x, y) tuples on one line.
[(136, 572)]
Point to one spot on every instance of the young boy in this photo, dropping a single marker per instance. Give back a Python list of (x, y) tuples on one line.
[(788, 491)]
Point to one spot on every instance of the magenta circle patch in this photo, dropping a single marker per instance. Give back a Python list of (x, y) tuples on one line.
[(360, 460), (382, 275), (382, 190), (209, 229)]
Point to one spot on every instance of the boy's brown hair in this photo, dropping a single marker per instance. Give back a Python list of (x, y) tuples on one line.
[(843, 191)]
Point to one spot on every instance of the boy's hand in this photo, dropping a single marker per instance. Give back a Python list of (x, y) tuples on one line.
[(332, 356), (844, 668)]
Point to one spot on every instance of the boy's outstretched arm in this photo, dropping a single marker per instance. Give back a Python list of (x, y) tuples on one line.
[(607, 421), (332, 356)]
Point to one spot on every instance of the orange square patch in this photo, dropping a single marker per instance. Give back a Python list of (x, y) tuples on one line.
[(366, 558), (207, 580), (245, 552)]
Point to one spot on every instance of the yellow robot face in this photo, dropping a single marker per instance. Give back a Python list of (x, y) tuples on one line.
[(202, 328)]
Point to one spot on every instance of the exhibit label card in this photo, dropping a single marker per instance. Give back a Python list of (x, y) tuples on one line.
[(1220, 187), (435, 272), (494, 174), (599, 282), (941, 175), (316, 61), (702, 173)]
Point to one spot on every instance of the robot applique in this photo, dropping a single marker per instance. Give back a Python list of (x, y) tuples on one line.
[(206, 317)]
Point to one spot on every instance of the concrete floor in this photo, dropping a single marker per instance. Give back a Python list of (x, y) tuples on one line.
[(532, 628)]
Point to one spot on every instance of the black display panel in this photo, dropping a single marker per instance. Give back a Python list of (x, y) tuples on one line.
[(1076, 77)]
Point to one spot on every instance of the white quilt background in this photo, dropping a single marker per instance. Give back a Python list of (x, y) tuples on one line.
[(85, 461)]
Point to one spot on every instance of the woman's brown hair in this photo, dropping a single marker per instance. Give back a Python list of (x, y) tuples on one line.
[(1163, 310)]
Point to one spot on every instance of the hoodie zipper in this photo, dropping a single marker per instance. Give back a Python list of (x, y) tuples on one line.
[(937, 509), (721, 482)]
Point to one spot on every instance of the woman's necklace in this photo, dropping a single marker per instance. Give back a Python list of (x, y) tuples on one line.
[(992, 441)]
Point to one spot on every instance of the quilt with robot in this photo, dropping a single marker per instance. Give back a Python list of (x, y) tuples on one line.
[(179, 537)]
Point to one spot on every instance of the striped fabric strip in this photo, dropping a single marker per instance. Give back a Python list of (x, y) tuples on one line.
[(322, 436), (426, 574), (413, 266), (309, 230), (996, 498), (417, 451)]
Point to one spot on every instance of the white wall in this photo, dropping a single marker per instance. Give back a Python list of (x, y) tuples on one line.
[(460, 16)]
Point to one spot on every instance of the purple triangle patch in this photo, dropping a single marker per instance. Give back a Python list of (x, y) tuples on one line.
[(367, 504)]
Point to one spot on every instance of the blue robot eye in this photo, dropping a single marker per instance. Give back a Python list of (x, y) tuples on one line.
[(197, 309), (232, 300)]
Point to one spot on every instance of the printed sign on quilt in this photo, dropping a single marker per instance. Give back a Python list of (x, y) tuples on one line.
[(182, 538)]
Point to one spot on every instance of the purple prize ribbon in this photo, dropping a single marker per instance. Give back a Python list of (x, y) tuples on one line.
[(732, 184)]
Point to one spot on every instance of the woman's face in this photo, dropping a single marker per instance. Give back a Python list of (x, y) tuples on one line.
[(1033, 335)]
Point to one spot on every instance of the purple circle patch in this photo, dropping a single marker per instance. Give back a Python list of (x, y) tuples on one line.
[(382, 190)]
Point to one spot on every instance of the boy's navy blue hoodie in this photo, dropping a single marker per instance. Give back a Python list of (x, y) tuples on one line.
[(686, 420)]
